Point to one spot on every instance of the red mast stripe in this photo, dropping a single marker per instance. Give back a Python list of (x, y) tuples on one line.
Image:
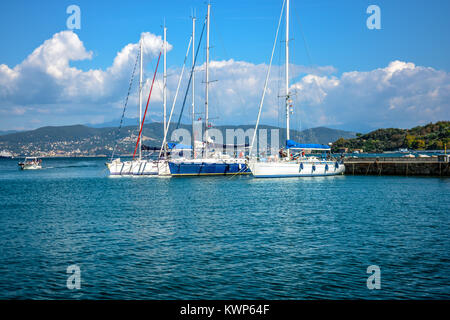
[(146, 107)]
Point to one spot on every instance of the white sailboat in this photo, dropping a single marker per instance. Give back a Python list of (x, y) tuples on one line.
[(289, 164), (137, 166), (159, 166)]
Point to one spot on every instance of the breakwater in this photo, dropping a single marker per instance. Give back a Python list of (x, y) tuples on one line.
[(432, 166)]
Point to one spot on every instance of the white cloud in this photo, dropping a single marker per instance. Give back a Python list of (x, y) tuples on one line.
[(46, 76), (18, 110), (399, 95), (46, 86)]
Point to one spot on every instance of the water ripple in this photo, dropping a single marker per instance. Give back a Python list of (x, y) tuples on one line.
[(216, 238)]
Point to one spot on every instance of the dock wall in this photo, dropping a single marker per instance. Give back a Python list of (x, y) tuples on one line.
[(397, 166)]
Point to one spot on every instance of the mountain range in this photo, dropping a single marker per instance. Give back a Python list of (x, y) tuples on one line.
[(3, 132), (82, 140)]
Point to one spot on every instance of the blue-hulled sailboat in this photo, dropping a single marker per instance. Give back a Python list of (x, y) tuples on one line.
[(210, 162)]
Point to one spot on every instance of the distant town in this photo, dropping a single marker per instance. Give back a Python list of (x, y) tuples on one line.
[(84, 141)]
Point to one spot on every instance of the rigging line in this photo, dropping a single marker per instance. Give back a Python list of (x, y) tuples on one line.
[(227, 55), (190, 77), (158, 83), (266, 81), (303, 37), (293, 92), (296, 114), (241, 170), (163, 145), (126, 103), (146, 107), (309, 56), (307, 51), (278, 97)]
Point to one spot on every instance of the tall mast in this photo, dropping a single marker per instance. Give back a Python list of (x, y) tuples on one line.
[(193, 79), (164, 84), (287, 71), (140, 96), (207, 71)]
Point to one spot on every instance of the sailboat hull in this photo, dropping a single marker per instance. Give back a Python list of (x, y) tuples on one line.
[(163, 168), (206, 167), (296, 169), (132, 168)]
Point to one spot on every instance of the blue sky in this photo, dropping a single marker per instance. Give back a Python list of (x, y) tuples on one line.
[(335, 32)]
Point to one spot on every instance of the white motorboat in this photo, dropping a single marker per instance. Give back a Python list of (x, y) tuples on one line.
[(31, 163)]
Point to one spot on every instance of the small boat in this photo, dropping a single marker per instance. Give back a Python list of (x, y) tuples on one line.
[(31, 163)]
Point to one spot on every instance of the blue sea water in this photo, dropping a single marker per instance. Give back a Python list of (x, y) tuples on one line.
[(220, 238)]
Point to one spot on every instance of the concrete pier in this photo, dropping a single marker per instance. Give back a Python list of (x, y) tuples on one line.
[(400, 166)]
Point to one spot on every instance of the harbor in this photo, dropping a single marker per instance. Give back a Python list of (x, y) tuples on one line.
[(241, 154)]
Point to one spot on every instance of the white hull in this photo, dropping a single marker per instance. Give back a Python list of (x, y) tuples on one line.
[(132, 168), (295, 169), (31, 167), (30, 163), (163, 168)]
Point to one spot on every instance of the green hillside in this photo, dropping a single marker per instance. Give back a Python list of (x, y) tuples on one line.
[(432, 136)]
